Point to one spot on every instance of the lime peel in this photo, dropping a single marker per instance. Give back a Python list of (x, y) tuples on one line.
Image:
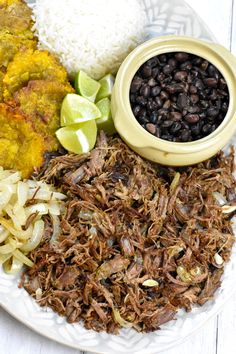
[(105, 123), (107, 84), (76, 109), (86, 86), (78, 138)]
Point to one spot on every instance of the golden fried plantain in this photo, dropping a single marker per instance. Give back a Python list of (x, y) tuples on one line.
[(10, 44), (41, 102), (31, 65), (2, 74), (21, 148), (15, 17)]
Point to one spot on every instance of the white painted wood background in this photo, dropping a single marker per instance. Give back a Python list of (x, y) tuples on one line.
[(218, 336)]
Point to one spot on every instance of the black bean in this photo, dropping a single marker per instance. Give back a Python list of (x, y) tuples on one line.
[(224, 107), (167, 69), (211, 82), (212, 71), (155, 72), (212, 112), (167, 123), (179, 97), (203, 94), (172, 62), (164, 95), (136, 110), (182, 100), (151, 105), (145, 91), (132, 98), (187, 65), (163, 58), (204, 65), (181, 75), (204, 104), (195, 129), (146, 71), (192, 89), (142, 113), (199, 84), (159, 102), (167, 104), (173, 98), (193, 109), (163, 112), (206, 129), (181, 56), (141, 100), (184, 125), (136, 84), (197, 61), (176, 139), (185, 135), (176, 126), (202, 115), (152, 62), (158, 132), (218, 103), (161, 77), (167, 137), (151, 128), (222, 83), (194, 98), (175, 116), (174, 88), (153, 117), (213, 128), (152, 82), (192, 118), (213, 96), (155, 91)]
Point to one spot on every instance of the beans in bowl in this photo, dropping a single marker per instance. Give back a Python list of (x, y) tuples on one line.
[(179, 97)]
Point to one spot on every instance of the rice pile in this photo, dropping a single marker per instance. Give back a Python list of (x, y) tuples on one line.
[(91, 35)]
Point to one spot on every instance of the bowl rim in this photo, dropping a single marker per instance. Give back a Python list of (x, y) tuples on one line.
[(172, 43)]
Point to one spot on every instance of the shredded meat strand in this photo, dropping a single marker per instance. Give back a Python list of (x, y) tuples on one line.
[(132, 251)]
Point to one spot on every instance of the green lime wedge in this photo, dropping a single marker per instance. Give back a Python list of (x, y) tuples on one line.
[(105, 123), (78, 138), (107, 83), (86, 86), (77, 109)]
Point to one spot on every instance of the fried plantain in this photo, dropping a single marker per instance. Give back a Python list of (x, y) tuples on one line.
[(15, 17), (10, 44), (41, 102), (21, 148), (2, 74), (31, 65)]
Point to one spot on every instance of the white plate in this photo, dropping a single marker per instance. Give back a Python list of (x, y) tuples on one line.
[(165, 17)]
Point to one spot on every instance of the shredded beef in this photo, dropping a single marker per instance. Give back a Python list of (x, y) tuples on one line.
[(134, 246)]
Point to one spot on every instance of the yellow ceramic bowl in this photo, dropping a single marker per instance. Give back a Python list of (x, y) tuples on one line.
[(147, 145)]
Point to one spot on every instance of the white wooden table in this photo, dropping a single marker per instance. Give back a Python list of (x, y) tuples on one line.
[(218, 335)]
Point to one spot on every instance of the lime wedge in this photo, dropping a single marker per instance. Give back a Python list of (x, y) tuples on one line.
[(77, 109), (105, 123), (86, 86), (107, 83), (78, 138)]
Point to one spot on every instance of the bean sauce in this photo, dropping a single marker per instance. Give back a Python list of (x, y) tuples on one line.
[(179, 97)]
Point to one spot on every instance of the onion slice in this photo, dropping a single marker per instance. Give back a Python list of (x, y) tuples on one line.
[(22, 258), (36, 237)]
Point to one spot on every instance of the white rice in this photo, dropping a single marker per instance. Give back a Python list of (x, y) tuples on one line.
[(90, 35)]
